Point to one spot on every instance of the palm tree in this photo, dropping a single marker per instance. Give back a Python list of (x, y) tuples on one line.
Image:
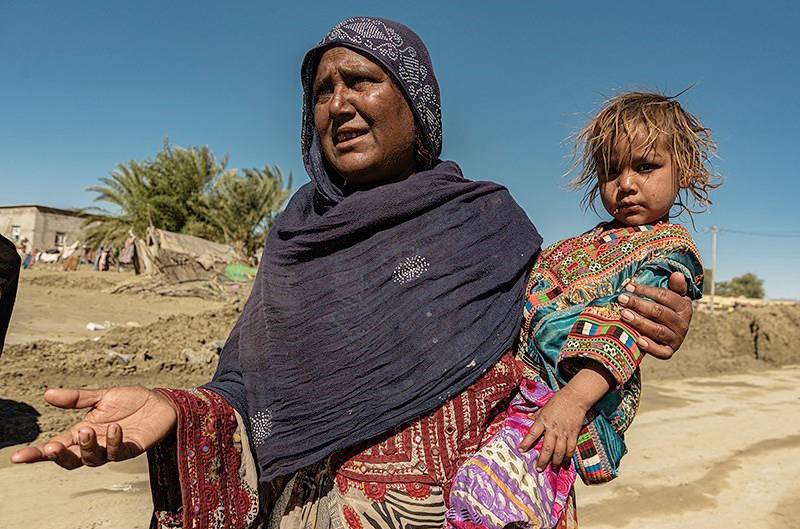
[(240, 209), (127, 189), (187, 190), (160, 192)]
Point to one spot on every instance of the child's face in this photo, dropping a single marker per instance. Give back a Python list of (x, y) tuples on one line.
[(639, 186)]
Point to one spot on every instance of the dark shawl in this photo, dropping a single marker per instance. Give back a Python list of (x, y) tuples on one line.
[(9, 277), (371, 308)]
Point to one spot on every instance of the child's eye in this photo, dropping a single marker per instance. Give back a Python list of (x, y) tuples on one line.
[(609, 173), (647, 167)]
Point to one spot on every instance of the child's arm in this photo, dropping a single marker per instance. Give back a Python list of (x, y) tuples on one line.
[(561, 419)]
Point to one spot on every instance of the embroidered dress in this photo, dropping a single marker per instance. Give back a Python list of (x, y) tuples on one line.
[(572, 315), (204, 476)]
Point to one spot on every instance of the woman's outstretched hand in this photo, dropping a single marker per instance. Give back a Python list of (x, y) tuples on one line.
[(662, 322), (122, 423)]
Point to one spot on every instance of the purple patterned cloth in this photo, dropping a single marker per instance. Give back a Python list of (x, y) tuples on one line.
[(500, 485)]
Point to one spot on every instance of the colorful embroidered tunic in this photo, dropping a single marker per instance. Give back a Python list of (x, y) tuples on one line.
[(204, 476), (572, 315)]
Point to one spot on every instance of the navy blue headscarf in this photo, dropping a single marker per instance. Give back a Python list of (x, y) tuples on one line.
[(371, 308)]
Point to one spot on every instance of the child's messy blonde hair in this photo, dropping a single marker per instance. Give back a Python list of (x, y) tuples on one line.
[(641, 119)]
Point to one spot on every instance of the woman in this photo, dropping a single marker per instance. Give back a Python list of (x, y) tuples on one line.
[(375, 351)]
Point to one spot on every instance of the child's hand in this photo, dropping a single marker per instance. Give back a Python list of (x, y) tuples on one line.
[(560, 421)]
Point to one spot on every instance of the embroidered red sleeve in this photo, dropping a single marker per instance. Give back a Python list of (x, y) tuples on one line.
[(598, 334), (199, 476)]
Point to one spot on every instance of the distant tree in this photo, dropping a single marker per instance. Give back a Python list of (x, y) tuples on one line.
[(708, 279), (127, 188), (240, 208), (187, 190), (747, 285)]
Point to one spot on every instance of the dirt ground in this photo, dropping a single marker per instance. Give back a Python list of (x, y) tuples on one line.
[(699, 456)]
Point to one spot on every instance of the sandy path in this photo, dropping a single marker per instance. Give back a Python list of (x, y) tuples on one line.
[(720, 452), (708, 453), (53, 311)]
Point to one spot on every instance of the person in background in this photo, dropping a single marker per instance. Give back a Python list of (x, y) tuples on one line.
[(9, 278)]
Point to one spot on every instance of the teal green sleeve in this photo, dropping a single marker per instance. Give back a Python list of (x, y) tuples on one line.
[(656, 271)]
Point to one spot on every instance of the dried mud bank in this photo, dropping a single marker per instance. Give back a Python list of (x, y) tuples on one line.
[(732, 342), (176, 351), (182, 351)]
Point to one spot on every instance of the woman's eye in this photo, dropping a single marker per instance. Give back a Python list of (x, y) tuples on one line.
[(321, 93), (361, 80)]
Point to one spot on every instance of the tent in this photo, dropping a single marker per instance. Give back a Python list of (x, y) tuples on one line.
[(179, 257)]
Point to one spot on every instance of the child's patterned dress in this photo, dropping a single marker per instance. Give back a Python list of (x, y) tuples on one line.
[(572, 315)]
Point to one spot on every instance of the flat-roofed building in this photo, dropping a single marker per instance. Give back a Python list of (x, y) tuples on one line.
[(43, 226)]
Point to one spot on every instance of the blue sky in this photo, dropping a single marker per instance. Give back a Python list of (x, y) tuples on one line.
[(85, 85)]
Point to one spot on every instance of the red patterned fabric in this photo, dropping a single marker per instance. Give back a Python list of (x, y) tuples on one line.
[(208, 461), (430, 450), (418, 461)]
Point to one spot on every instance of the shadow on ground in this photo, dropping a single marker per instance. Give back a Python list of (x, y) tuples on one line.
[(19, 423)]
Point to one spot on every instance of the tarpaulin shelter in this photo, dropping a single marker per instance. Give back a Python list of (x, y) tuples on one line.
[(180, 257)]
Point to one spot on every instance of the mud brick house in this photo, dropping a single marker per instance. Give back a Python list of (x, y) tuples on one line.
[(45, 227)]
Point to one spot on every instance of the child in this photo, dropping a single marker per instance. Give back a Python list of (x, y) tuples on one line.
[(641, 155)]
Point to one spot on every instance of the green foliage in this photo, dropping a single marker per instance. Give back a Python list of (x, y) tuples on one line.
[(747, 285), (187, 190), (240, 209)]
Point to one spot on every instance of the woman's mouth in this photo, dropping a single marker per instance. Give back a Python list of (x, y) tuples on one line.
[(344, 137)]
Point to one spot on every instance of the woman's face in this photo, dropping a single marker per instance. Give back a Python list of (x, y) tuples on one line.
[(363, 120)]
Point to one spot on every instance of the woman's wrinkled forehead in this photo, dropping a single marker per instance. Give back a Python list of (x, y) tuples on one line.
[(347, 57), (401, 53)]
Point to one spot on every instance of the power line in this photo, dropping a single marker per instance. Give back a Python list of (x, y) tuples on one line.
[(778, 234)]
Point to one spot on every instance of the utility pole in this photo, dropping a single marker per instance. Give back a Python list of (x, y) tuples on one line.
[(714, 231)]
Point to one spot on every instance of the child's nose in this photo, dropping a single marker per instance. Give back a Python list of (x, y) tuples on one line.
[(627, 180)]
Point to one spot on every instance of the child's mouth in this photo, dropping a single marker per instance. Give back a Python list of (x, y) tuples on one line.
[(628, 208)]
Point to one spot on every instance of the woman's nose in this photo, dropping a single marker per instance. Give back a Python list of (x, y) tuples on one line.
[(340, 102)]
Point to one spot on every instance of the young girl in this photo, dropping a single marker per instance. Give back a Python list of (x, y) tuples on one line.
[(642, 155)]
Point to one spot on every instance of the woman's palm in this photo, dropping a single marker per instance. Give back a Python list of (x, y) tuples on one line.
[(122, 423)]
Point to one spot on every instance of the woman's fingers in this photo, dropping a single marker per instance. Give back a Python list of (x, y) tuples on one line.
[(657, 323), (92, 454), (114, 450), (677, 283), (34, 454), (662, 352), (29, 454), (74, 398), (63, 456)]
